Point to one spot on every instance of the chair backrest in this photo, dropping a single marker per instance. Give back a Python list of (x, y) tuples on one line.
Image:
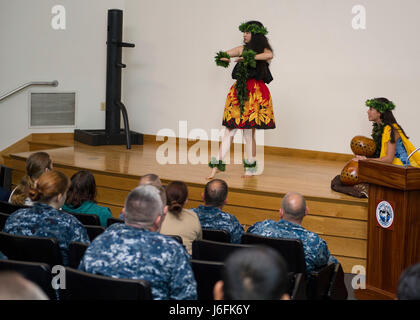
[(87, 218), (338, 289), (29, 248), (85, 286), (9, 208), (206, 273), (297, 286), (94, 231), (3, 218), (5, 177), (113, 220), (176, 237), (216, 235), (39, 273), (213, 250), (76, 253), (319, 282), (290, 249)]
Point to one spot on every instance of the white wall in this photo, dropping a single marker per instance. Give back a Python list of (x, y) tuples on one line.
[(323, 69), (32, 51)]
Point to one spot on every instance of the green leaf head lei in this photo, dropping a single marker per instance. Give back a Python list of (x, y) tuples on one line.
[(253, 28), (380, 105)]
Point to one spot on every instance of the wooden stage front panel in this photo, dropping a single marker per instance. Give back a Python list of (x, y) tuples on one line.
[(339, 219)]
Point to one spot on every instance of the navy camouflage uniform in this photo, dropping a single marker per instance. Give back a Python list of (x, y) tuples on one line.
[(126, 252), (42, 220), (2, 256), (316, 250), (214, 218)]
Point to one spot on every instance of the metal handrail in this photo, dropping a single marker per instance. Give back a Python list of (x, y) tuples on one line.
[(408, 158), (33, 83)]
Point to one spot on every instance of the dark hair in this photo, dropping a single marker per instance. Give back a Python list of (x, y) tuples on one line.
[(49, 185), (258, 43), (35, 167), (176, 195), (258, 273), (215, 192), (409, 284), (82, 188), (388, 118)]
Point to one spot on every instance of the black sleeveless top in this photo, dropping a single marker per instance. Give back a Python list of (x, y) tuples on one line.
[(260, 72)]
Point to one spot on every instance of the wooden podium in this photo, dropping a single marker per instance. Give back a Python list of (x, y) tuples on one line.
[(393, 224)]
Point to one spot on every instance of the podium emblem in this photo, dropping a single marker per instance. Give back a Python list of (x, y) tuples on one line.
[(385, 214)]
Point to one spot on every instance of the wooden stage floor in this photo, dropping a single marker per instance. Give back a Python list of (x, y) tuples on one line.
[(339, 219)]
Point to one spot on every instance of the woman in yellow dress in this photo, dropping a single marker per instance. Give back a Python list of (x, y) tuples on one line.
[(248, 103), (392, 142)]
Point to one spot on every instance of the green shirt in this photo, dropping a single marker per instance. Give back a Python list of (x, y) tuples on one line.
[(91, 208)]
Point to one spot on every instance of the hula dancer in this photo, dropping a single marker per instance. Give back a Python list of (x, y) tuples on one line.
[(248, 104), (392, 144)]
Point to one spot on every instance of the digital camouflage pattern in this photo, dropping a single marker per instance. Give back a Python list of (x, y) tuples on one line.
[(316, 250), (215, 218), (42, 220), (126, 252)]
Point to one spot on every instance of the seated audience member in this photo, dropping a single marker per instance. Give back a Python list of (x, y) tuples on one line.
[(81, 197), (258, 273), (293, 210), (36, 165), (409, 284), (211, 215), (13, 286), (180, 221), (136, 249), (147, 179), (4, 194), (45, 219)]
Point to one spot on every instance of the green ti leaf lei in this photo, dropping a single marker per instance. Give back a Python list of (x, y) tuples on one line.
[(242, 76), (219, 62), (380, 106), (377, 132), (253, 28)]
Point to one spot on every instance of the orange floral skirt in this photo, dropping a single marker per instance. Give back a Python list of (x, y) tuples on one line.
[(258, 110)]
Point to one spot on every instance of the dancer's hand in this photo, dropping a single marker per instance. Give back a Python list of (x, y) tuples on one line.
[(357, 158), (240, 59), (225, 59)]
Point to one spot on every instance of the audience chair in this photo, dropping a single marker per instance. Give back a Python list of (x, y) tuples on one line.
[(177, 238), (213, 250), (206, 274), (94, 231), (5, 177), (319, 282), (216, 235), (297, 286), (9, 208), (32, 249), (290, 249), (76, 253), (338, 289), (38, 273), (86, 219), (113, 220), (85, 286), (3, 218)]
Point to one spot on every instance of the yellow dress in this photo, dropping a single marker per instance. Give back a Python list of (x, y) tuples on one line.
[(386, 137)]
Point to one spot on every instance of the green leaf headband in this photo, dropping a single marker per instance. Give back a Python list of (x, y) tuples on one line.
[(380, 106), (253, 28)]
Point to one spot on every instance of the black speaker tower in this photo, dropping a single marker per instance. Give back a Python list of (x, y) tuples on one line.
[(113, 134)]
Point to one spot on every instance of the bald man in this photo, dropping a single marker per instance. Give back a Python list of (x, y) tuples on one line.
[(293, 210)]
